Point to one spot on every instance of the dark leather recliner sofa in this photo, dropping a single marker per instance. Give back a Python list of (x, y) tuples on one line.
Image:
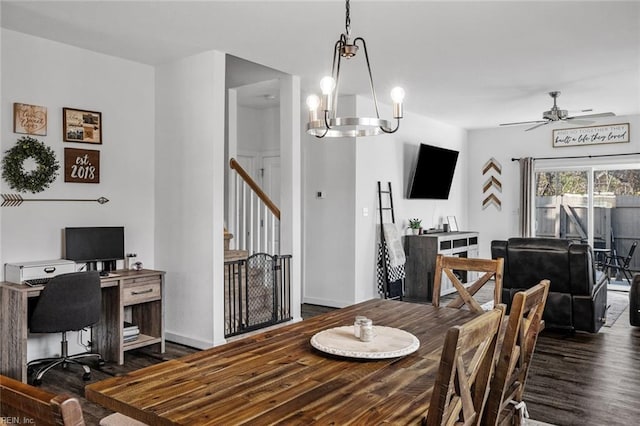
[(576, 300)]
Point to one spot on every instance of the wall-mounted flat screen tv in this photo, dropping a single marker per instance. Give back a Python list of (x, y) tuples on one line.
[(433, 173)]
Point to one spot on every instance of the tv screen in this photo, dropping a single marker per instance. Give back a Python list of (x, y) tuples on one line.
[(93, 244), (433, 173)]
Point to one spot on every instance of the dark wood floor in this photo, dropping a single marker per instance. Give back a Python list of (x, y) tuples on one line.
[(579, 379)]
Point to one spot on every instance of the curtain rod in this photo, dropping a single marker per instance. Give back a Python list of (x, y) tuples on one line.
[(580, 156)]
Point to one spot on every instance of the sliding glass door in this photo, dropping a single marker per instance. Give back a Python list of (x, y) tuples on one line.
[(598, 205)]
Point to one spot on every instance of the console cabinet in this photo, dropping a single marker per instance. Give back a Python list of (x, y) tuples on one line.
[(421, 251)]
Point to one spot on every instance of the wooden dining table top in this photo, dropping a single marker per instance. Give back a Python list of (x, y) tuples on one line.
[(277, 377)]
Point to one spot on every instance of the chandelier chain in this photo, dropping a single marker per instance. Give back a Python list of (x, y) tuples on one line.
[(347, 24)]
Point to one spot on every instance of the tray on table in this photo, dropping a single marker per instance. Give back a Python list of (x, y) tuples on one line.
[(388, 342)]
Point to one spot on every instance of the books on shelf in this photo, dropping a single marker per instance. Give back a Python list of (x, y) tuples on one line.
[(130, 332)]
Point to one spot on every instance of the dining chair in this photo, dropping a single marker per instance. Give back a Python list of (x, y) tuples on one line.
[(505, 404), (21, 402), (451, 268), (466, 365)]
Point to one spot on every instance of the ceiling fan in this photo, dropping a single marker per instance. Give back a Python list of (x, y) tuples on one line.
[(557, 114)]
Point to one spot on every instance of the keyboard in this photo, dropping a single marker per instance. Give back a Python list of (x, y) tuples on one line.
[(37, 281)]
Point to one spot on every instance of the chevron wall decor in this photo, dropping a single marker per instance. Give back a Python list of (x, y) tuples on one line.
[(492, 186)]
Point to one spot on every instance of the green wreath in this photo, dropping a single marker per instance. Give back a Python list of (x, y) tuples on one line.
[(36, 180)]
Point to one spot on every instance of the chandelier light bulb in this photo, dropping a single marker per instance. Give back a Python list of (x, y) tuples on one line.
[(327, 84), (313, 102), (397, 95)]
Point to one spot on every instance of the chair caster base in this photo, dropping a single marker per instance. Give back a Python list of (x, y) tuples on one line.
[(86, 377)]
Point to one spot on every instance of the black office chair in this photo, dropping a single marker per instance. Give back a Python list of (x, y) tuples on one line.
[(68, 302), (620, 264)]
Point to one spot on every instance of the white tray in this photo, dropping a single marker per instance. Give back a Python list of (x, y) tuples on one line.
[(388, 342)]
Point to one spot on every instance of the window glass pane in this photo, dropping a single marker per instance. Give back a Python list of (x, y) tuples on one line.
[(562, 204), (617, 217)]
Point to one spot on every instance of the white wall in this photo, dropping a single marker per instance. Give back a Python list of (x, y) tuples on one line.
[(340, 242), (189, 194), (391, 158), (291, 185), (54, 75), (258, 129), (506, 143), (329, 223)]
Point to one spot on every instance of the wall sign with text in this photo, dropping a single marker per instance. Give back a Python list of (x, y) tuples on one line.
[(81, 165), (592, 135), (29, 119)]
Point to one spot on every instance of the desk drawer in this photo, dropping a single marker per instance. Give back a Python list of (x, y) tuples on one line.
[(142, 292)]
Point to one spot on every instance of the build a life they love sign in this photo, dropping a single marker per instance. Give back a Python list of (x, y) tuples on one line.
[(592, 135), (81, 165)]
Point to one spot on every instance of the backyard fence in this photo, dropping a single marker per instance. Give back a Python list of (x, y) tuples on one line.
[(616, 221)]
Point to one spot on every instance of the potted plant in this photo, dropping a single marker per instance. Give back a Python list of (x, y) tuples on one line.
[(415, 226)]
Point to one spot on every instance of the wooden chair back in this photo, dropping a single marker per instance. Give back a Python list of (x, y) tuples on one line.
[(490, 268), (21, 403), (466, 366), (520, 336)]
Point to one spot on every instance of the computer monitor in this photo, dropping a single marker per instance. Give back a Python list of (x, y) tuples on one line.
[(91, 245)]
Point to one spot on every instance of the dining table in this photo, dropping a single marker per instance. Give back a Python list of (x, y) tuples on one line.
[(294, 374)]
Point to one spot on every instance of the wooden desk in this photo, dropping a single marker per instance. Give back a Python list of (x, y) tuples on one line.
[(276, 376), (140, 291)]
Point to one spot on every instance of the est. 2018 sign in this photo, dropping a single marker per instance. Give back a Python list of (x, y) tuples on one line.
[(81, 165)]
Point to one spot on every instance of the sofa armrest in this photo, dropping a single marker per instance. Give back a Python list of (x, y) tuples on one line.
[(499, 249), (582, 270)]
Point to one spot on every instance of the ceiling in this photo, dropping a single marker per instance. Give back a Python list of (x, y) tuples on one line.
[(472, 64)]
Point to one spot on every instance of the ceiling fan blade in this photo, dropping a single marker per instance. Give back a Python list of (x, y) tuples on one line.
[(523, 122), (537, 125), (578, 121), (574, 111), (602, 114)]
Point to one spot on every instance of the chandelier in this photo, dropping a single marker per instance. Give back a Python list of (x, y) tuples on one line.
[(323, 118)]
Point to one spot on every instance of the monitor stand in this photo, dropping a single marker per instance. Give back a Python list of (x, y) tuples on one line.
[(92, 265), (109, 265)]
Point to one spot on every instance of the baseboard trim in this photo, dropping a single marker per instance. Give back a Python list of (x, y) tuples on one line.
[(326, 302), (190, 341)]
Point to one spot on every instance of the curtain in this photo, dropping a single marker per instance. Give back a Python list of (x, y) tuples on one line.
[(527, 192)]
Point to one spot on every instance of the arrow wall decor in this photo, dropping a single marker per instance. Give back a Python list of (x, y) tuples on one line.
[(492, 199), (492, 186), (15, 200)]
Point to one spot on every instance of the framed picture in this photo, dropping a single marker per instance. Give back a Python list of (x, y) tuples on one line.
[(81, 126), (29, 119), (453, 225), (81, 165)]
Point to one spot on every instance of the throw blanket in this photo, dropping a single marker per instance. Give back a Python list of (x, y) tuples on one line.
[(394, 245), (391, 286)]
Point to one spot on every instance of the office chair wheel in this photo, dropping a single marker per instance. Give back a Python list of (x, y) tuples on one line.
[(101, 362), (86, 376), (37, 382)]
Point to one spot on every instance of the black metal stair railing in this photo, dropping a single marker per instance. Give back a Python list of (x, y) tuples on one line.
[(257, 293)]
